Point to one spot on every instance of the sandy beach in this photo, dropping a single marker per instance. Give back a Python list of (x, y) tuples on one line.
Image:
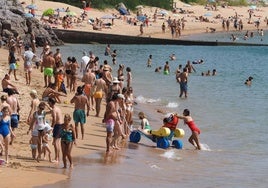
[(191, 15), (21, 165)]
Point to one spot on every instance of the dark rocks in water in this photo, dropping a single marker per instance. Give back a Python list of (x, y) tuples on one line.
[(13, 22)]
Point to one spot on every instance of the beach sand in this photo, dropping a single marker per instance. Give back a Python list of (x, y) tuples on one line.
[(192, 25), (21, 166)]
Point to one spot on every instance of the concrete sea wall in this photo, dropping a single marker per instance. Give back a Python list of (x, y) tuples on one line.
[(72, 36)]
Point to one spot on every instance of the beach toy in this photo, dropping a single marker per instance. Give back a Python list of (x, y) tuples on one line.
[(179, 133), (177, 144), (162, 132), (135, 136), (162, 143)]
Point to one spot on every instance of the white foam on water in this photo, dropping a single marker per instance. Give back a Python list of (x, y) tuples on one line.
[(205, 147), (171, 154), (141, 99), (172, 105)]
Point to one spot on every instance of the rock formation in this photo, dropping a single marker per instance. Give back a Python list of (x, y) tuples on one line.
[(13, 22)]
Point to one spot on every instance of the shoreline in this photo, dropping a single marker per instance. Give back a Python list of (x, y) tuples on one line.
[(24, 168)]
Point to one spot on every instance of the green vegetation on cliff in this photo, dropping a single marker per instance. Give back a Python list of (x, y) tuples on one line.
[(130, 4)]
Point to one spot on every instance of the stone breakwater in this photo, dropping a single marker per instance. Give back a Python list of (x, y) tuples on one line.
[(13, 22), (73, 36)]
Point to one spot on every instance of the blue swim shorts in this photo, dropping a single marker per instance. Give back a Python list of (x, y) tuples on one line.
[(57, 130), (183, 86), (110, 125), (14, 120)]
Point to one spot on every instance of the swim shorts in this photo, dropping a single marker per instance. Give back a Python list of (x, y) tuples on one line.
[(48, 71), (14, 120), (45, 99), (12, 66), (33, 146), (110, 125), (79, 116), (183, 86), (98, 95), (166, 72), (87, 89), (57, 130)]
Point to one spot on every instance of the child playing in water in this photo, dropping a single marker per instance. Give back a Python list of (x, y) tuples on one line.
[(144, 121), (194, 139)]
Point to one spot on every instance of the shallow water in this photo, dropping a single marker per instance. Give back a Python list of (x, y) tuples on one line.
[(232, 117)]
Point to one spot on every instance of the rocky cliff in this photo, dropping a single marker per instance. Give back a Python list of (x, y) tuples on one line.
[(14, 23)]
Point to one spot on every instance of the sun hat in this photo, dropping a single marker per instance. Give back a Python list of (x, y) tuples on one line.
[(33, 92), (121, 96), (115, 80)]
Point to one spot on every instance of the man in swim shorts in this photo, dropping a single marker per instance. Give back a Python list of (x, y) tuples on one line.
[(57, 122), (15, 107), (80, 104), (182, 79), (7, 85), (47, 66)]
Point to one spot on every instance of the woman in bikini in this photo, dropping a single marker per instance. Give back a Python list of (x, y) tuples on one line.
[(68, 71)]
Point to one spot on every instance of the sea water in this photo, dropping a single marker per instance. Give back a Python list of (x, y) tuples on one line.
[(232, 118)]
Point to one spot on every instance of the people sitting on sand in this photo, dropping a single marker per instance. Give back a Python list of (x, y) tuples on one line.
[(95, 27), (50, 92), (7, 85), (211, 30)]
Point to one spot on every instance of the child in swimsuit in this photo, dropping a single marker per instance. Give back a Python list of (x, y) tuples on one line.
[(194, 138), (45, 142)]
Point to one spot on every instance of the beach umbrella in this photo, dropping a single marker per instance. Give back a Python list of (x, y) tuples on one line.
[(108, 16), (48, 12), (141, 18), (163, 12), (211, 1), (139, 7), (71, 13), (32, 6), (208, 14), (60, 9), (253, 7), (28, 15)]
